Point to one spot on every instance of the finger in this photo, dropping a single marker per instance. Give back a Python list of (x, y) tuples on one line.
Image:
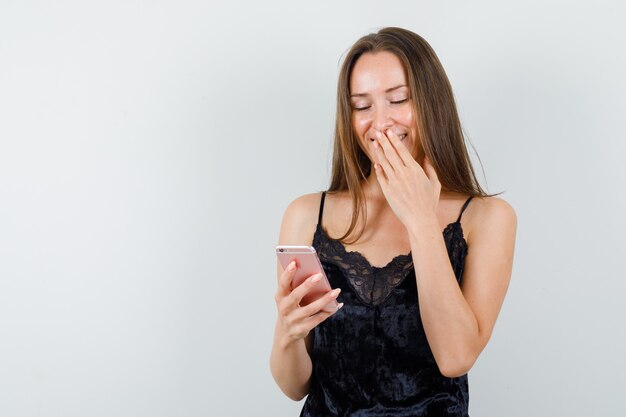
[(380, 176), (403, 154), (390, 152), (285, 279), (382, 157), (301, 290), (310, 322), (316, 305)]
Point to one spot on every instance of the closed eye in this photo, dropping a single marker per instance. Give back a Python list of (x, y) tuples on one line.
[(392, 102)]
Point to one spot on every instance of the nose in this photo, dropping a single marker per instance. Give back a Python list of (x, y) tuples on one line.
[(382, 119)]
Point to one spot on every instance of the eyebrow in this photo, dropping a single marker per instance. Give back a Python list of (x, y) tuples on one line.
[(386, 91)]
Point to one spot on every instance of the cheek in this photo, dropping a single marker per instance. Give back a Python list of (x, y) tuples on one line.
[(406, 116), (408, 119), (360, 124)]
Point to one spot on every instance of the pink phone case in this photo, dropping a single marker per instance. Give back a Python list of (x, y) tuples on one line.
[(308, 264)]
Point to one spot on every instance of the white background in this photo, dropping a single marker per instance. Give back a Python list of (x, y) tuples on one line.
[(148, 151)]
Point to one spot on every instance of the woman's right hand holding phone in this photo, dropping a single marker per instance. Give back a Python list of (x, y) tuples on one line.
[(297, 321)]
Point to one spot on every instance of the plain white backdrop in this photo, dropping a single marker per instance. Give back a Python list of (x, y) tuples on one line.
[(148, 151)]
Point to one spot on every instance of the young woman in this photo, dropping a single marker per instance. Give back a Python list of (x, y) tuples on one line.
[(421, 281)]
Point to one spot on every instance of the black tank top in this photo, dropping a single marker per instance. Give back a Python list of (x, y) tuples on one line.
[(372, 358)]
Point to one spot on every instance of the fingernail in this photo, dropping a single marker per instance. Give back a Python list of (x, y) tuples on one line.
[(316, 278), (339, 306), (335, 292), (291, 266)]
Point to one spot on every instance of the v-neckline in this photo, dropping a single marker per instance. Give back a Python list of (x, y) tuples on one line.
[(407, 256)]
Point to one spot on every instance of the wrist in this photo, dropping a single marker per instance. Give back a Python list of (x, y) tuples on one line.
[(422, 226), (285, 341)]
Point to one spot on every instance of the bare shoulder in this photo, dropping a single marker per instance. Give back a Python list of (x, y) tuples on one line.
[(300, 220), (490, 214)]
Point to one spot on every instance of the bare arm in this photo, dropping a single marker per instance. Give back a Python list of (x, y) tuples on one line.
[(458, 320), (290, 362)]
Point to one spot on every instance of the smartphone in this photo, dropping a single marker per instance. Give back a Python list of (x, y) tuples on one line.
[(308, 263)]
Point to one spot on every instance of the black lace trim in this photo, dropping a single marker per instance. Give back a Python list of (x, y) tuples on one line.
[(373, 284)]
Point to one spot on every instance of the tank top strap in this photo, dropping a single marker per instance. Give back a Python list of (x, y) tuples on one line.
[(319, 219), (464, 207)]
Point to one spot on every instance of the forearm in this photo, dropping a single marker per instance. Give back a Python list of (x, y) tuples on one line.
[(291, 365), (449, 323)]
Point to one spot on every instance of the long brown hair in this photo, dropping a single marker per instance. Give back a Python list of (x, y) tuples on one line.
[(438, 125)]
